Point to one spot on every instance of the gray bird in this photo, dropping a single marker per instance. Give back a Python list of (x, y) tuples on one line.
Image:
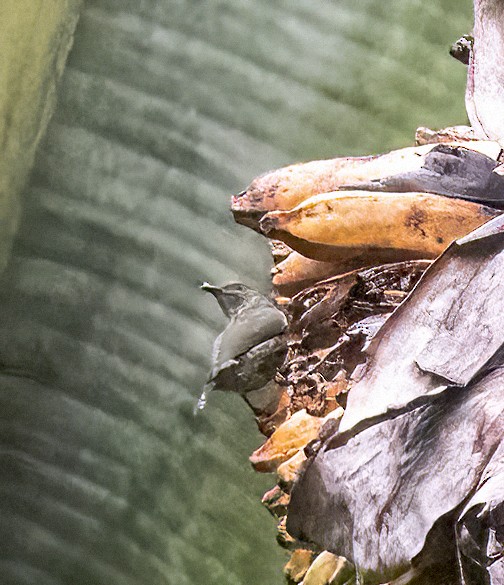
[(247, 354)]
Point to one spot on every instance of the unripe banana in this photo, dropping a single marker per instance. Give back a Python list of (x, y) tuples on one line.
[(287, 187), (420, 223)]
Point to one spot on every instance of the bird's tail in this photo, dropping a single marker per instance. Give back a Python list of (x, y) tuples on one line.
[(200, 405)]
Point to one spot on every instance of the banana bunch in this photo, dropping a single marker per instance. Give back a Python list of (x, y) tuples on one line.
[(327, 221), (284, 188), (343, 214)]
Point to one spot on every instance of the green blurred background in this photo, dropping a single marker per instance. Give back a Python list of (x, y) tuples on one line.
[(166, 108)]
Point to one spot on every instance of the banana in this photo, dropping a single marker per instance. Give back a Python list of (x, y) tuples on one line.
[(298, 565), (289, 438), (297, 272), (287, 187), (284, 188), (420, 224)]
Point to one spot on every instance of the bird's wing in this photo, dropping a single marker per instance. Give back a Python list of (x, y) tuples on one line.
[(241, 334)]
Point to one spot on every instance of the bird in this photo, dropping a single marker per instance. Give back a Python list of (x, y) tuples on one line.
[(247, 354)]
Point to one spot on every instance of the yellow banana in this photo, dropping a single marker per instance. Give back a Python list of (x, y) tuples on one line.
[(297, 272), (417, 223), (287, 187), (286, 441), (284, 188)]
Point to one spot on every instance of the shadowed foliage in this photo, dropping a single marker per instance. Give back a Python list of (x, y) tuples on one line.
[(165, 108)]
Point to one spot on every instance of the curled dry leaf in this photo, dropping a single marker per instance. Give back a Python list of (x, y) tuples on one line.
[(284, 539), (425, 135), (456, 172), (391, 491), (331, 322), (276, 501)]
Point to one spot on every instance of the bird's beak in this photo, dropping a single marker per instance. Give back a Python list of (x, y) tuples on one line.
[(211, 288)]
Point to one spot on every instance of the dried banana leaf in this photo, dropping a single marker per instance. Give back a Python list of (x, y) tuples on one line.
[(444, 333), (389, 497), (452, 171), (485, 84), (411, 484)]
